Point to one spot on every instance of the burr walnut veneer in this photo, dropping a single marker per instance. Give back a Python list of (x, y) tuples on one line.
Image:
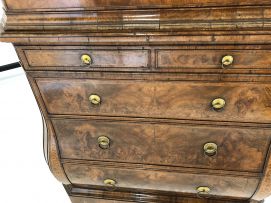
[(150, 100)]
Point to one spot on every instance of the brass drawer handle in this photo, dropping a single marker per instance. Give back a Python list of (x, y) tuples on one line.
[(95, 99), (210, 149), (104, 142), (110, 182), (86, 59), (227, 61), (203, 190), (218, 103)]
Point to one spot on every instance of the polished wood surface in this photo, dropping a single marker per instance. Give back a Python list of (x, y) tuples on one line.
[(89, 200), (225, 186), (100, 58), (211, 59), (188, 19), (139, 111), (141, 196), (109, 4), (159, 144), (247, 59), (245, 102), (180, 200)]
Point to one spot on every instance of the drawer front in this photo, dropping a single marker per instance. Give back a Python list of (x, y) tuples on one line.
[(239, 149), (179, 100), (237, 187), (149, 198), (212, 59), (71, 59)]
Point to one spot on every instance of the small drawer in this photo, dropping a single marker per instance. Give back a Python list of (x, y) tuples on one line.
[(238, 102), (213, 185), (85, 58), (235, 149), (213, 59)]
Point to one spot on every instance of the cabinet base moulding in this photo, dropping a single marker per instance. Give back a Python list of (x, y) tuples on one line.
[(88, 195)]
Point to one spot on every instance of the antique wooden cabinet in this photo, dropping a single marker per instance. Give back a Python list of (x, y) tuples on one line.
[(150, 100)]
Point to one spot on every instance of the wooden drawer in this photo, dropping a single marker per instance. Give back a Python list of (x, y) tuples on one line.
[(245, 102), (150, 198), (227, 186), (239, 149), (212, 59), (70, 59)]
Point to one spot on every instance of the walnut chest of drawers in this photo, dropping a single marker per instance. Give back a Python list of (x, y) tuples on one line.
[(150, 101)]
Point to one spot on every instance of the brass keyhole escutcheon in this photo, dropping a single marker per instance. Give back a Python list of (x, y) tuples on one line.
[(95, 99), (218, 104), (86, 59), (210, 149), (104, 142), (110, 182), (203, 190), (227, 61)]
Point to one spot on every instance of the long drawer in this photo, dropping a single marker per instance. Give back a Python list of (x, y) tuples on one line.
[(136, 198), (241, 102), (239, 149), (227, 186)]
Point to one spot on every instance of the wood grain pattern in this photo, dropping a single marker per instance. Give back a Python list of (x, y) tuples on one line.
[(192, 59), (101, 58), (138, 38), (178, 100), (53, 156), (97, 194), (50, 144), (211, 59), (200, 19), (265, 185), (157, 67), (238, 149), (113, 4), (91, 200), (234, 187), (176, 200)]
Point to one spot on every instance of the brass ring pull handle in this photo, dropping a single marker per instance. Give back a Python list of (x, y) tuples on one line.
[(210, 149), (218, 104), (86, 59), (95, 99), (104, 142), (227, 61), (110, 183), (203, 191)]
